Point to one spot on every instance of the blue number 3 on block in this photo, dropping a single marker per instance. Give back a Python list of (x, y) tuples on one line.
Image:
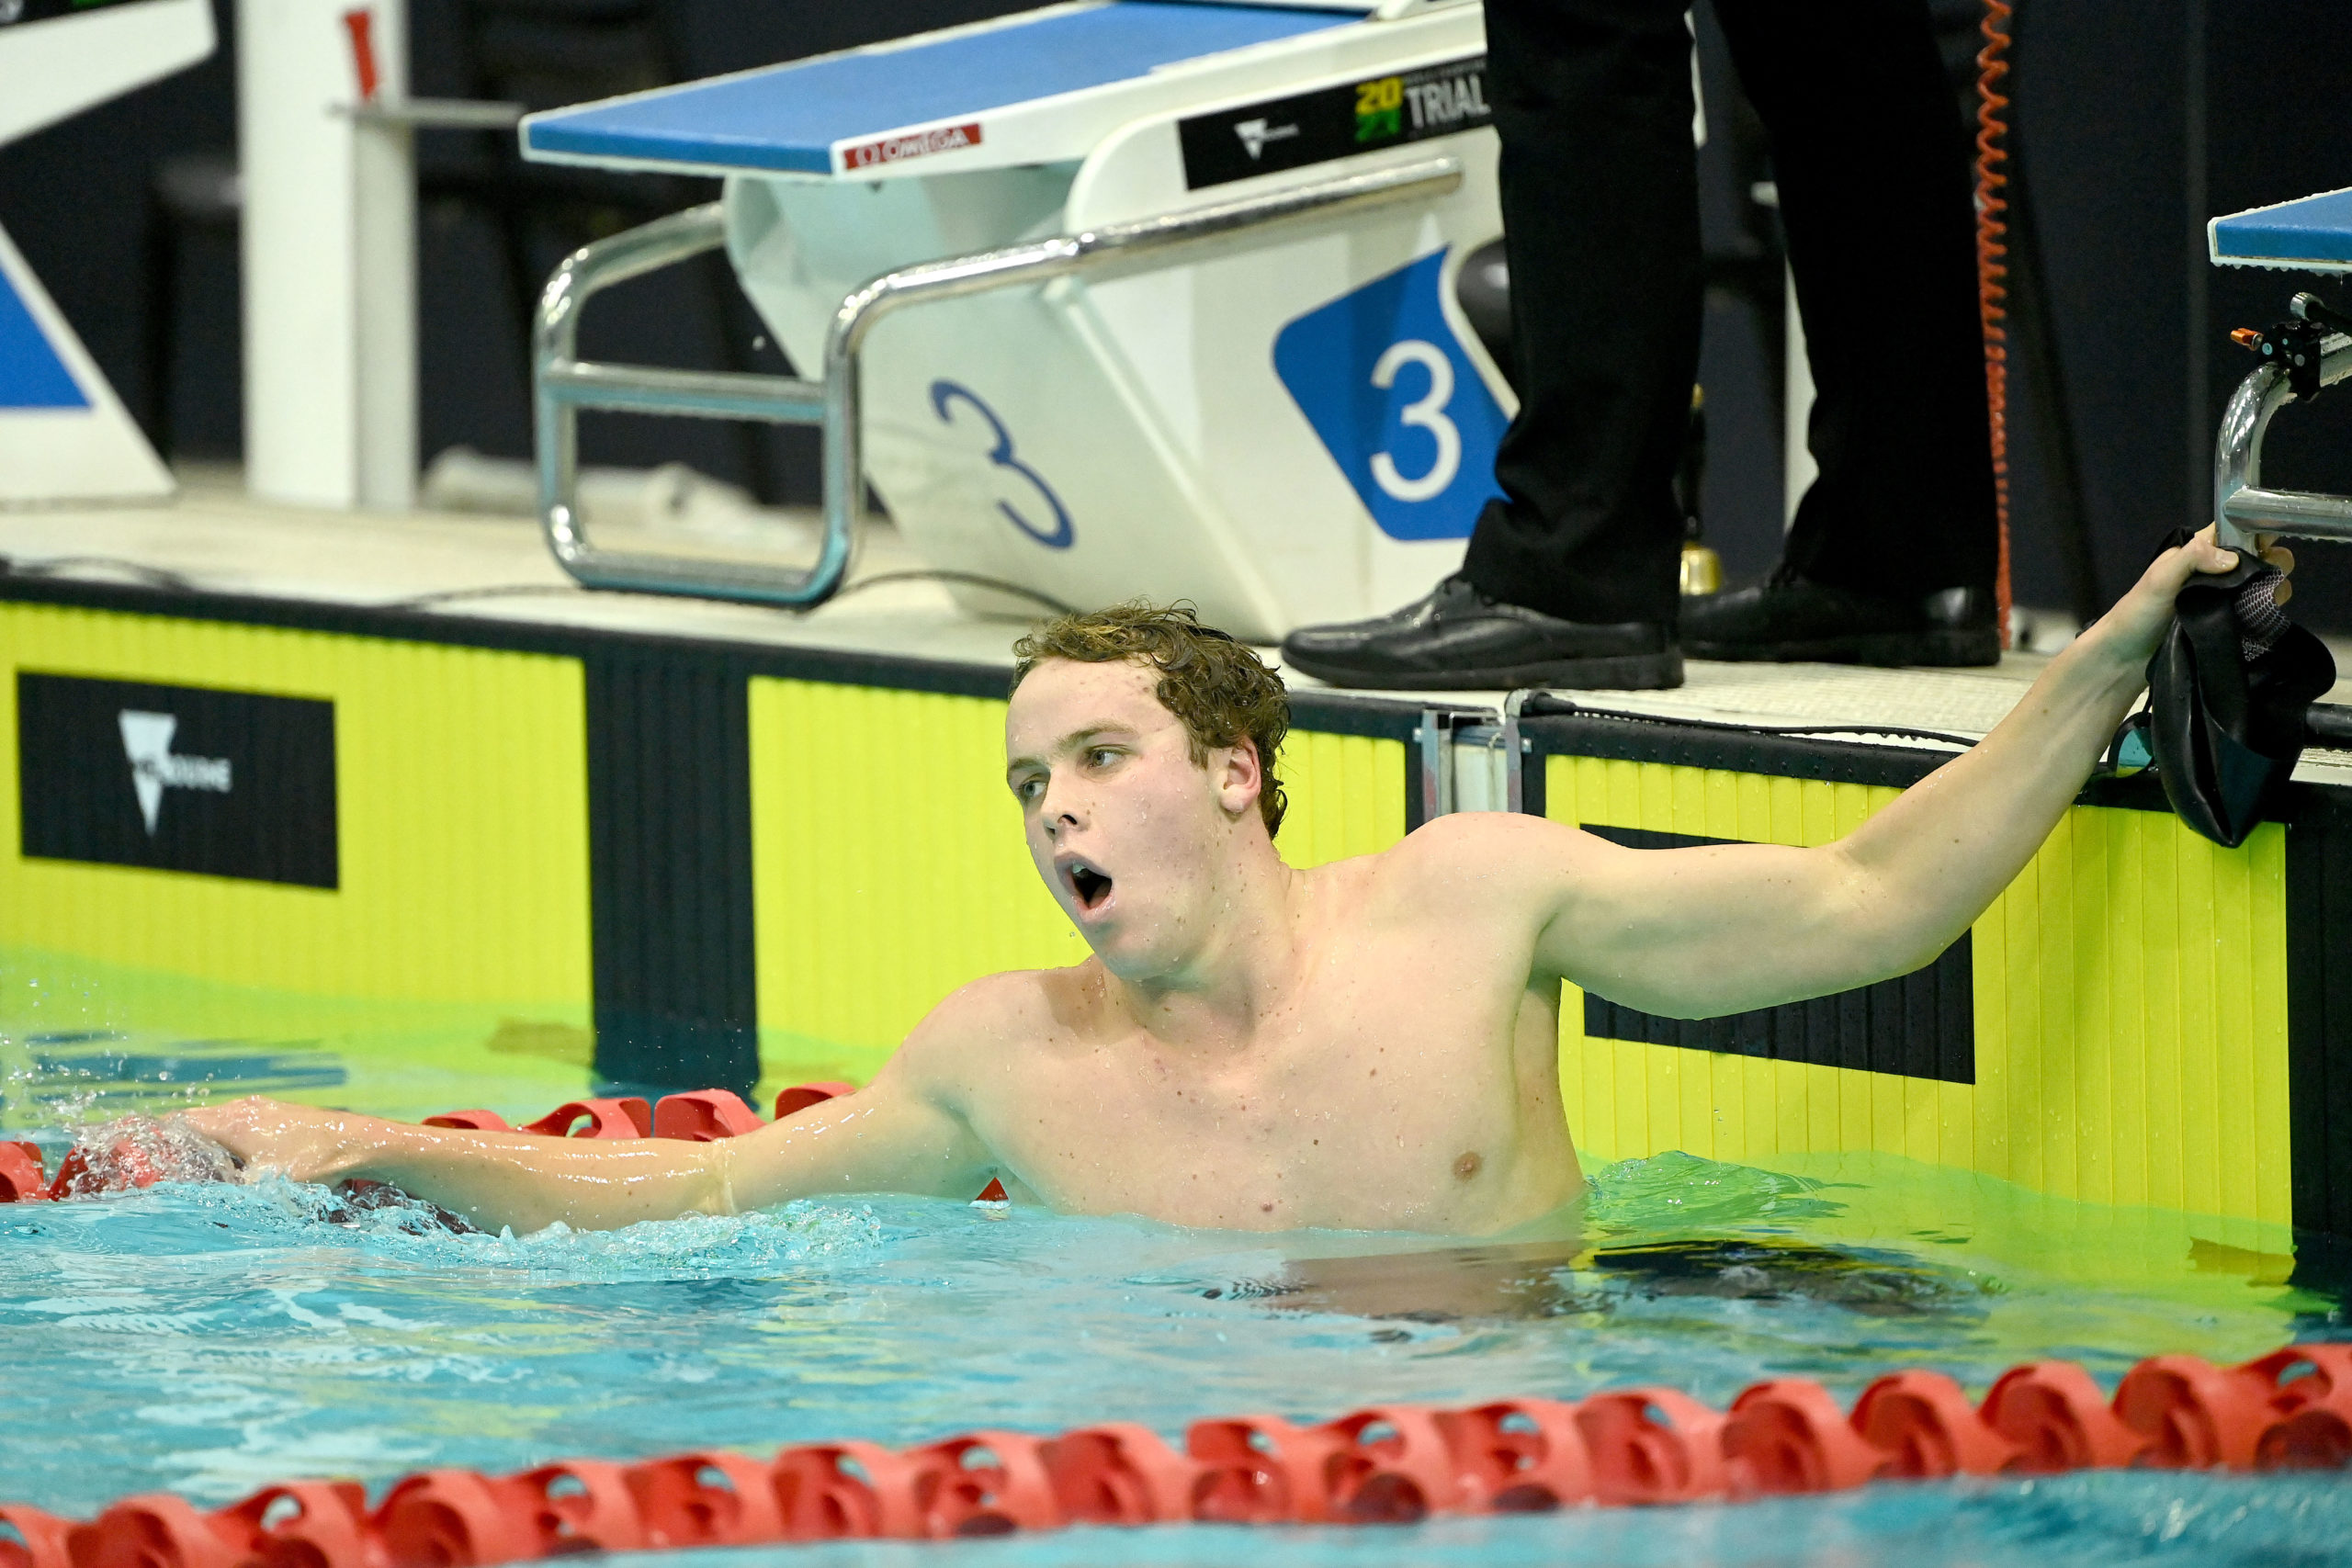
[(1060, 534), (1382, 377)]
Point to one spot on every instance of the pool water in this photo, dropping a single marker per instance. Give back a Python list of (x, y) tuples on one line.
[(210, 1339)]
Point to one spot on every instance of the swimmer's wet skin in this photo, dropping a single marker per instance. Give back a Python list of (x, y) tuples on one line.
[(1369, 1045)]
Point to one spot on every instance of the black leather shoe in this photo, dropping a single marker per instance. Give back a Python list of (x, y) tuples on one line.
[(1788, 618), (1457, 638)]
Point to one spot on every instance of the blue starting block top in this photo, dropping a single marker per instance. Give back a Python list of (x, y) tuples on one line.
[(791, 118), (2314, 234)]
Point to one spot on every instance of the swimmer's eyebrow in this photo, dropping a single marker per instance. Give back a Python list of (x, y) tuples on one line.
[(1071, 742)]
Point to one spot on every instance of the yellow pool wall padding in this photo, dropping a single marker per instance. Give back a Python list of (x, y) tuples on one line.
[(2128, 988), (462, 821), (2130, 1002)]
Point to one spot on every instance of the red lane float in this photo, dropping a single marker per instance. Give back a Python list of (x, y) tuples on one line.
[(2313, 1384), (451, 1518), (1653, 1445), (1789, 1435), (1260, 1469), (801, 1095), (985, 1484), (2058, 1420), (623, 1118), (704, 1114), (307, 1524), (583, 1506), (38, 1538), (1518, 1456), (837, 1490), (1388, 1463), (1392, 1466), (711, 1500), (22, 1177), (1923, 1422), (1119, 1474)]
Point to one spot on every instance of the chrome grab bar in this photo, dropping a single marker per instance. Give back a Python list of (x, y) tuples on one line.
[(565, 384), (2242, 507)]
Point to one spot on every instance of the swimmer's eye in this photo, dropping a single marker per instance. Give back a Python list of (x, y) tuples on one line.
[(1099, 757), (1030, 788)]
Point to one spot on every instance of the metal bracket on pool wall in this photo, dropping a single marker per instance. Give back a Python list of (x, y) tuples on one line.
[(1473, 760)]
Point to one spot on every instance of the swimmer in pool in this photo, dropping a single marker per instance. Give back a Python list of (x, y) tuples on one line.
[(1369, 1045)]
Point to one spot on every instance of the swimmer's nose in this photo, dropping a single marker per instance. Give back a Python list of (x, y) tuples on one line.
[(1056, 816)]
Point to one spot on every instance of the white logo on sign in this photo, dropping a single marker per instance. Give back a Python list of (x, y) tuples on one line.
[(147, 741), (1256, 134), (1448, 101)]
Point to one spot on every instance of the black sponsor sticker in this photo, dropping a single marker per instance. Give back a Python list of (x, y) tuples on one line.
[(44, 10), (178, 778), (1334, 122)]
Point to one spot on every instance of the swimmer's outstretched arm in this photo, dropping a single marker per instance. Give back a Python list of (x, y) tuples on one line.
[(1703, 932), (894, 1135)]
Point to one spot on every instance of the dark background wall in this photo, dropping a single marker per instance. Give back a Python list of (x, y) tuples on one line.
[(2134, 125)]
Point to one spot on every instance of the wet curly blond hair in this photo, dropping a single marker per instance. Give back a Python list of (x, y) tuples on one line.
[(1218, 689)]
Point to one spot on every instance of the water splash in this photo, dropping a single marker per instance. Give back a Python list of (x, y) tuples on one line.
[(133, 1152)]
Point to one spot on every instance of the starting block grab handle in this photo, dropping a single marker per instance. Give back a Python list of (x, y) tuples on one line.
[(2242, 507), (563, 384)]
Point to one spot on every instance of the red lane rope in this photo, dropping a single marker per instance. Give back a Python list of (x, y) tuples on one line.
[(1384, 1464), (1992, 273)]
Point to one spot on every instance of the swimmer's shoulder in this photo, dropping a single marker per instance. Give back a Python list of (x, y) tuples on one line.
[(1003, 1015), (1484, 860)]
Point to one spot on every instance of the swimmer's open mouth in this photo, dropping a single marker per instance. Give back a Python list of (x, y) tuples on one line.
[(1088, 883)]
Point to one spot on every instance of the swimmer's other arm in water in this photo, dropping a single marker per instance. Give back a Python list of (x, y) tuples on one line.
[(890, 1136)]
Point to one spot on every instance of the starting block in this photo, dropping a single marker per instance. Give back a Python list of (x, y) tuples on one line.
[(1187, 319), (64, 436), (2298, 356)]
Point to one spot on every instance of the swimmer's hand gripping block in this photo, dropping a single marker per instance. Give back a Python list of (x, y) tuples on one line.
[(1387, 1464), (2227, 691)]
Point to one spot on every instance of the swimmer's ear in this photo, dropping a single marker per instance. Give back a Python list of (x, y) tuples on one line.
[(1240, 779)]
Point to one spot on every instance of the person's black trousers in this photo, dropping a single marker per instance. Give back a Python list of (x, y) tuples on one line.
[(1592, 100)]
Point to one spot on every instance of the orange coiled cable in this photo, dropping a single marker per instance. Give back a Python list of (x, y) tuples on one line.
[(1992, 271)]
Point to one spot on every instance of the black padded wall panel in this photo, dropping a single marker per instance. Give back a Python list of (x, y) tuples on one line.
[(669, 870)]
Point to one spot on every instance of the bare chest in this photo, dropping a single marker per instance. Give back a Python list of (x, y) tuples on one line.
[(1397, 1091)]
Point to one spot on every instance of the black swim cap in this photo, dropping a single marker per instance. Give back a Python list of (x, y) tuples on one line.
[(2227, 695)]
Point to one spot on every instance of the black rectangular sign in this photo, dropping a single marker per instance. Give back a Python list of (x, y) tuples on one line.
[(178, 778), (1334, 122)]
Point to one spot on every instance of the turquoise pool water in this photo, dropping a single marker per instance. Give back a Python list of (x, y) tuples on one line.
[(210, 1339)]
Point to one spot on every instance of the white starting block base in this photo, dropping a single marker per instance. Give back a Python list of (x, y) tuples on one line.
[(1288, 422), (64, 436)]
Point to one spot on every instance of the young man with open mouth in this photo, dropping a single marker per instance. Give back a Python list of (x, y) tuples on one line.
[(1368, 1044)]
